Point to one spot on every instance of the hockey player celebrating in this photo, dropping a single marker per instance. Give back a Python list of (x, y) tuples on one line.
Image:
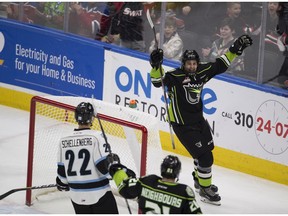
[(82, 166), (185, 85), (155, 195)]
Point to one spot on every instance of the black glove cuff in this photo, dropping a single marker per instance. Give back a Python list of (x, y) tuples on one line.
[(61, 186), (234, 50), (115, 167), (130, 173), (154, 65)]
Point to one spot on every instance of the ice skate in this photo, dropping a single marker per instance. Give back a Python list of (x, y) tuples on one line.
[(214, 188), (207, 195)]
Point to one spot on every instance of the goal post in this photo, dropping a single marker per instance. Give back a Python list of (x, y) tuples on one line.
[(132, 134)]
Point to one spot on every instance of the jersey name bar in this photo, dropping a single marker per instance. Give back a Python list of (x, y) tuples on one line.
[(76, 142), (162, 198)]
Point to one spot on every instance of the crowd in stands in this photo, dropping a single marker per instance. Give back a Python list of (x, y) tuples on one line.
[(208, 27)]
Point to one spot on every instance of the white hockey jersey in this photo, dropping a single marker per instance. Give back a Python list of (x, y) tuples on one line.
[(81, 165)]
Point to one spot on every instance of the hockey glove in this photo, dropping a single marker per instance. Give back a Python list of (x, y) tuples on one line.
[(112, 159), (115, 167), (240, 44), (61, 186), (156, 58)]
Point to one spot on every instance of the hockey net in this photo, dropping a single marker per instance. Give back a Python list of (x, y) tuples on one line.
[(132, 134)]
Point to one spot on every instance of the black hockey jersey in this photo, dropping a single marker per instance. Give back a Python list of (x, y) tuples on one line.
[(158, 197), (184, 90)]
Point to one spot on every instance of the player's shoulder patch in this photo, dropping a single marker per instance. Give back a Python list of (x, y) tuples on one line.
[(172, 70), (190, 191)]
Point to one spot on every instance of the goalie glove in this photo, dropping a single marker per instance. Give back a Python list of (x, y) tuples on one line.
[(156, 58), (240, 44), (61, 186)]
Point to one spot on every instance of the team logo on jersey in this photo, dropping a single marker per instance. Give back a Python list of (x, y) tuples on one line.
[(190, 191), (186, 80), (193, 92), (198, 144)]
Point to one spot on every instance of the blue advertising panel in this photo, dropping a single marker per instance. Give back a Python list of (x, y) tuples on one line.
[(49, 61)]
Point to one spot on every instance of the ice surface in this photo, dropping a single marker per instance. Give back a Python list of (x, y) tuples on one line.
[(241, 193)]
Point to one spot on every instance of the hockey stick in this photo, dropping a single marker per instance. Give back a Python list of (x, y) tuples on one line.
[(161, 72), (101, 127), (25, 188), (271, 79), (106, 141)]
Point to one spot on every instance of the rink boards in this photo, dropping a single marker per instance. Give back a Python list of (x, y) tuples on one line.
[(249, 122)]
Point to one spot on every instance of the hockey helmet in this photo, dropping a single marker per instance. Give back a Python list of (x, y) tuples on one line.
[(170, 167), (84, 113), (190, 55)]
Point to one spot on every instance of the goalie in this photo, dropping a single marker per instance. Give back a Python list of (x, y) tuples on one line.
[(155, 194)]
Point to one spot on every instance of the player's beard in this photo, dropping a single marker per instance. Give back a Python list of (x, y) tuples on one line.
[(189, 72)]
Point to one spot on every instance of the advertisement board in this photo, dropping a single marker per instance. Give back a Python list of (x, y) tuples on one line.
[(249, 123), (50, 62), (241, 119)]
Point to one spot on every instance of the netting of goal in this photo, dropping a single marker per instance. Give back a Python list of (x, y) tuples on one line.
[(132, 134)]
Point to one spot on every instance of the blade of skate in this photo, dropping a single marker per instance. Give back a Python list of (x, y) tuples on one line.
[(205, 200)]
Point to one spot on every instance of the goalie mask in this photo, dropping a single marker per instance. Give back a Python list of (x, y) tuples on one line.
[(170, 167), (84, 113)]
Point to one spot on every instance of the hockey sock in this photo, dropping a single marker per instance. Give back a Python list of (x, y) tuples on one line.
[(204, 176)]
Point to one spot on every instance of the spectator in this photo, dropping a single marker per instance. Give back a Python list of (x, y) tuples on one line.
[(273, 57), (180, 26), (3, 9), (271, 36), (32, 12), (85, 18), (152, 190), (200, 23), (126, 22), (234, 12), (282, 29), (35, 12), (13, 12), (222, 44), (106, 33), (172, 44), (54, 12)]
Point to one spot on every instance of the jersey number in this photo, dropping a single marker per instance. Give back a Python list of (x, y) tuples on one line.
[(157, 209), (82, 154)]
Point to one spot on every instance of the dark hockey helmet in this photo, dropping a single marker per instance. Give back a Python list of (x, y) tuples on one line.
[(170, 167), (84, 113), (190, 55)]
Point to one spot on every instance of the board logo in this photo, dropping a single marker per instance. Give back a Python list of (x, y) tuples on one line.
[(2, 44)]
